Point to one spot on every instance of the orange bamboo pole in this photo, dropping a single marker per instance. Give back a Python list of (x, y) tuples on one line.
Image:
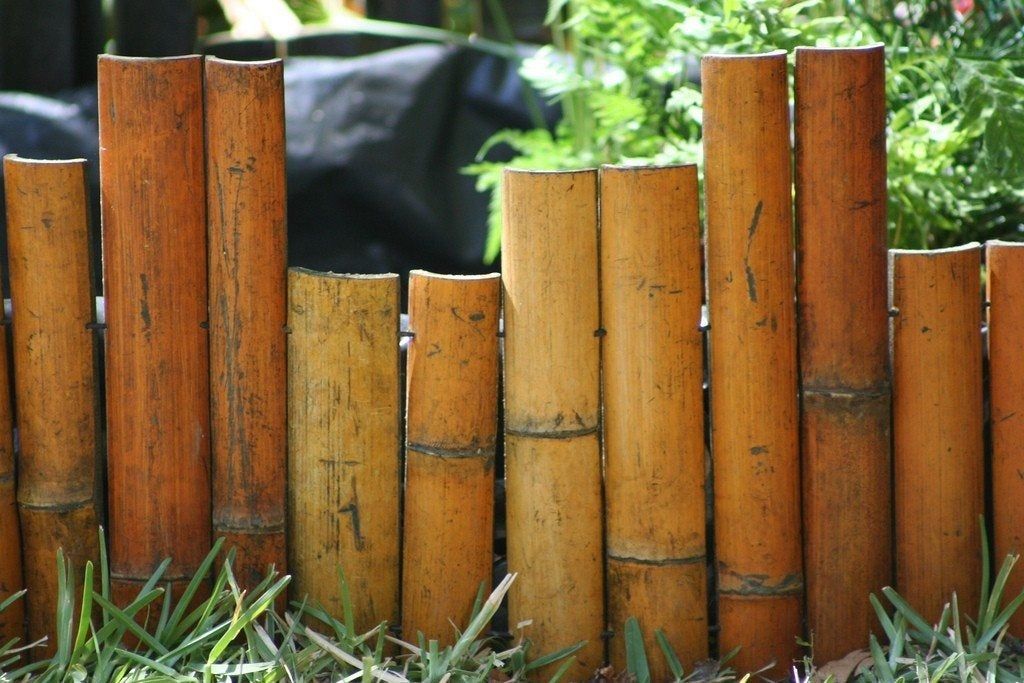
[(844, 340), (55, 374), (753, 367), (343, 441), (1005, 261), (938, 449), (653, 360), (12, 620), (451, 427), (553, 466), (247, 259), (153, 187)]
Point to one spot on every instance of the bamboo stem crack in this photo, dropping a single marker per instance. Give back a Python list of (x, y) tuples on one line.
[(442, 452), (659, 561), (552, 434), (58, 507)]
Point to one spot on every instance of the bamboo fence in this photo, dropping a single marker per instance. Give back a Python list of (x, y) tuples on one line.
[(153, 186), (938, 448), (344, 442), (266, 405), (1005, 263), (552, 437), (652, 359), (752, 364), (245, 197), (844, 340), (55, 376), (451, 435)]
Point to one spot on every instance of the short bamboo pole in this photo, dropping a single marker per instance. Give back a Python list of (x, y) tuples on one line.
[(245, 197), (653, 367), (153, 188), (753, 371), (1005, 285), (938, 447), (844, 340), (343, 441), (553, 467), (55, 375), (12, 620), (451, 424)]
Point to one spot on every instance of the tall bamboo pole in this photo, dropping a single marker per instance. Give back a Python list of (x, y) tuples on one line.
[(246, 206), (153, 187), (343, 441), (451, 426), (55, 374), (12, 620), (938, 447), (844, 340), (1005, 285), (553, 466), (653, 368), (753, 371)]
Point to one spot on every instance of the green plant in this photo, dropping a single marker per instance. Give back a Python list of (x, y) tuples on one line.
[(236, 635), (619, 69)]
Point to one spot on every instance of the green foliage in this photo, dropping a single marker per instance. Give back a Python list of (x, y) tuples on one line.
[(619, 69), (236, 635)]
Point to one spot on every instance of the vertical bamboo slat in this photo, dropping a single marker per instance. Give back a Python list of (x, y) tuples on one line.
[(1005, 285), (55, 374), (937, 425), (451, 423), (844, 340), (553, 468), (12, 620), (753, 370), (153, 196), (653, 366), (343, 441), (245, 159)]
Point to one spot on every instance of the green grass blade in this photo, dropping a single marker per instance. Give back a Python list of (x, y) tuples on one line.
[(128, 622), (671, 658), (636, 657), (85, 614)]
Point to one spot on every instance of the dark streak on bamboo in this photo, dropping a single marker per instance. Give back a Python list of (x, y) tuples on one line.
[(567, 434)]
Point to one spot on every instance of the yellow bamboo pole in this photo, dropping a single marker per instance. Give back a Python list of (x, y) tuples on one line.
[(153, 186), (451, 427), (553, 467), (753, 371), (1005, 285), (248, 259), (55, 374), (343, 441), (938, 447), (653, 367), (844, 340)]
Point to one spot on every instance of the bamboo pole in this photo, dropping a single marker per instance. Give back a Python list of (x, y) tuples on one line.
[(753, 370), (553, 467), (153, 188), (343, 441), (55, 375), (451, 423), (12, 620), (938, 447), (1005, 261), (844, 340), (653, 368), (245, 198)]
